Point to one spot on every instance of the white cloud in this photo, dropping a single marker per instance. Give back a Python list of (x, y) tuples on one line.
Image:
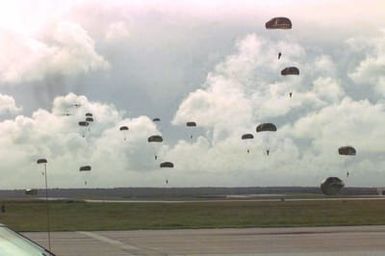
[(243, 91), (65, 49), (117, 31), (8, 105), (359, 123), (57, 137), (247, 87), (370, 70)]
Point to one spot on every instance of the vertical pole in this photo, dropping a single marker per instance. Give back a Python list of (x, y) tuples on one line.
[(47, 207)]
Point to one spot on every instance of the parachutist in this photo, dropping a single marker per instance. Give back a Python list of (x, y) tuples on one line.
[(246, 137), (124, 129), (347, 151), (290, 94), (85, 169), (155, 139), (267, 152), (191, 124), (279, 55)]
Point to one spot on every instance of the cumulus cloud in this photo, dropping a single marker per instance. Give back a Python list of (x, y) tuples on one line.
[(348, 122), (370, 70), (246, 89), (58, 137), (8, 105), (64, 48), (247, 86), (243, 89)]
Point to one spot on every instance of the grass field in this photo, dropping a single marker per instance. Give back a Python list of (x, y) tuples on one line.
[(70, 216)]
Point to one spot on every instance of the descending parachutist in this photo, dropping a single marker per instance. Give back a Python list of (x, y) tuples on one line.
[(279, 55), (290, 94), (267, 152)]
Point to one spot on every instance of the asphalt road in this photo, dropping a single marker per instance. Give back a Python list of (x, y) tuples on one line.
[(362, 240)]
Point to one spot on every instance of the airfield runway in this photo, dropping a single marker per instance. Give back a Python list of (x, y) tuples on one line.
[(235, 199), (358, 240)]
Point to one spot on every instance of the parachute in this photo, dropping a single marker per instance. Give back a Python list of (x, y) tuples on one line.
[(266, 127), (157, 139), (278, 23), (42, 161), (85, 169), (290, 71), (347, 151), (332, 186), (166, 165), (191, 124), (158, 123), (247, 137), (84, 124), (89, 114), (124, 129)]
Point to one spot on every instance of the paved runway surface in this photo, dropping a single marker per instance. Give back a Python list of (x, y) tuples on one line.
[(364, 240)]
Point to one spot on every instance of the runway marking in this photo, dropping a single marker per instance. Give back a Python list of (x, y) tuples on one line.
[(132, 250)]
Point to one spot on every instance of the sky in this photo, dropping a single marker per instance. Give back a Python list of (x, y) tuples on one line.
[(127, 62)]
